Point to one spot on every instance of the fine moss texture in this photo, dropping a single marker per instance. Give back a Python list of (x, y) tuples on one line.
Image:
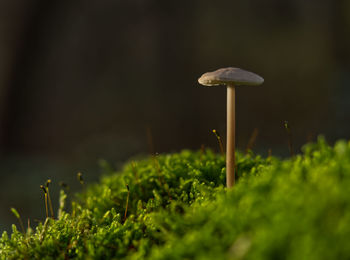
[(178, 208)]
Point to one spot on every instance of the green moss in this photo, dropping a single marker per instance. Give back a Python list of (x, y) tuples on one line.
[(179, 208)]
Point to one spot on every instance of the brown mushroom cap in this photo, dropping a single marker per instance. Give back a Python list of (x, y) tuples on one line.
[(230, 76)]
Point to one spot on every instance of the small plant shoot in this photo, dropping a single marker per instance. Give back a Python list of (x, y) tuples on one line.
[(45, 199), (218, 137)]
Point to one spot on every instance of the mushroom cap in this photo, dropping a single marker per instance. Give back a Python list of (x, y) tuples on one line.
[(230, 76)]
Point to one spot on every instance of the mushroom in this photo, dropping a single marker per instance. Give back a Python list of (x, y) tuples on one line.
[(230, 77)]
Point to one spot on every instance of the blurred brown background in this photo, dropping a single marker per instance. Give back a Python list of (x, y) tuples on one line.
[(82, 80)]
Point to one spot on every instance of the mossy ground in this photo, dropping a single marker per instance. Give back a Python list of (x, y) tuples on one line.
[(179, 208)]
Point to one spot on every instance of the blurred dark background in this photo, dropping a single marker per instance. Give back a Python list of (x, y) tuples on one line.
[(83, 80)]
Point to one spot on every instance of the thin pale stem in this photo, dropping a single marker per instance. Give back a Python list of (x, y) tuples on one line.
[(230, 146), (50, 203), (46, 209)]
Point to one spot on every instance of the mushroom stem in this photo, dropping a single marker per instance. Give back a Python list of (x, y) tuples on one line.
[(230, 146), (230, 77)]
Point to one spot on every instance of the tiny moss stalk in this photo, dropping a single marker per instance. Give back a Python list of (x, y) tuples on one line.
[(49, 198), (218, 137), (252, 140), (45, 197), (15, 212), (80, 178)]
